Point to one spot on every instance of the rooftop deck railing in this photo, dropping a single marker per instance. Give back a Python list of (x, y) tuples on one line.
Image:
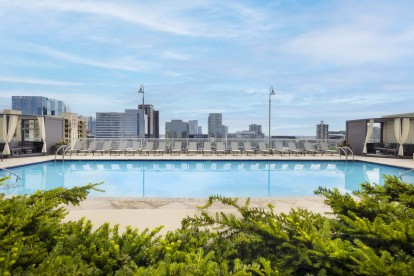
[(332, 143)]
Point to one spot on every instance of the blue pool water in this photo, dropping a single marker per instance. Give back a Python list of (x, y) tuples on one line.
[(200, 178)]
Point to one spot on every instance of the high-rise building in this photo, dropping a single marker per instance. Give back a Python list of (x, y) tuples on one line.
[(74, 126), (193, 125), (322, 131), (120, 124), (37, 105), (176, 129), (91, 127), (255, 128), (152, 122), (109, 124), (200, 130), (215, 125)]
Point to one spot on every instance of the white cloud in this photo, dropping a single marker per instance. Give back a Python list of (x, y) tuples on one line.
[(23, 80), (120, 63)]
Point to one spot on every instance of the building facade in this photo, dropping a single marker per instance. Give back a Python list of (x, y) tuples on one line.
[(176, 129), (128, 124), (193, 125), (255, 128), (37, 105), (91, 127), (215, 126), (322, 131), (152, 122)]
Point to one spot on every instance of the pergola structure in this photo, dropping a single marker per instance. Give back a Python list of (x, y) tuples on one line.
[(395, 131)]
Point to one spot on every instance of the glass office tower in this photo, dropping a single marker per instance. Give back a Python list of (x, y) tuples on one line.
[(37, 105)]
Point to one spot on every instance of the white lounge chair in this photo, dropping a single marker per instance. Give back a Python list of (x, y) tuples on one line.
[(136, 145), (178, 147), (309, 149), (248, 148), (264, 149), (161, 148), (279, 148), (293, 149), (121, 148), (325, 148), (235, 148), (76, 148), (207, 148), (220, 148), (91, 148), (149, 146), (105, 148), (192, 148)]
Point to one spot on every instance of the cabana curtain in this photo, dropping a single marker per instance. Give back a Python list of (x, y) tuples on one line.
[(401, 137), (8, 132), (369, 134), (42, 132)]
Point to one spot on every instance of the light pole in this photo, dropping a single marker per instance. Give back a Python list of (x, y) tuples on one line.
[(141, 90), (271, 93)]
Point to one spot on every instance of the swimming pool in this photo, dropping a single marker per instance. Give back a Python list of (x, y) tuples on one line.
[(188, 179)]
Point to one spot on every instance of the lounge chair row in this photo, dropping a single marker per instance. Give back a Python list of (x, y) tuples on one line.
[(192, 148)]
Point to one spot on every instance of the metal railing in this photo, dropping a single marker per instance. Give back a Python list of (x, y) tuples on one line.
[(62, 149), (345, 150), (400, 176), (16, 175)]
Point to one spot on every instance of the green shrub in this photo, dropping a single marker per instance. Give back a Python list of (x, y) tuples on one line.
[(368, 233)]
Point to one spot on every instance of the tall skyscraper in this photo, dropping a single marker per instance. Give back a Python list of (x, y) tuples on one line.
[(37, 105), (152, 122), (193, 125), (176, 129), (91, 126), (322, 131), (215, 125), (200, 130)]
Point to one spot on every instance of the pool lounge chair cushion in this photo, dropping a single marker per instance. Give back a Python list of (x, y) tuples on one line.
[(149, 146), (220, 148), (121, 148), (136, 145), (91, 148), (235, 148), (192, 148), (161, 148), (263, 149), (105, 148), (207, 148), (177, 148)]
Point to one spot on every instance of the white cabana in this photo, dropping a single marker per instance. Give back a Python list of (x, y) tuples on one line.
[(42, 132), (369, 134), (8, 132), (401, 136)]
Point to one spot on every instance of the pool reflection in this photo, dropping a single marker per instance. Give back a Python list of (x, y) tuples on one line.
[(201, 178)]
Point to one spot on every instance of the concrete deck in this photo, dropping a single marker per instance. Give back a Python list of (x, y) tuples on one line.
[(151, 212)]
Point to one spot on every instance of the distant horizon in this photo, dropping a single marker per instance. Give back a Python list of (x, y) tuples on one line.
[(326, 60)]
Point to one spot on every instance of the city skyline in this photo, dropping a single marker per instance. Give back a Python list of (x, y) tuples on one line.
[(327, 60)]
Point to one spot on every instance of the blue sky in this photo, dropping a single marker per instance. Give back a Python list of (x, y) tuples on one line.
[(327, 60)]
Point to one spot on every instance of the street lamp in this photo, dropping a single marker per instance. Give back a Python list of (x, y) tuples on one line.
[(141, 90), (271, 93)]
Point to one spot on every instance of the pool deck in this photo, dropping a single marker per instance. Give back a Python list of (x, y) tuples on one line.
[(151, 212)]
